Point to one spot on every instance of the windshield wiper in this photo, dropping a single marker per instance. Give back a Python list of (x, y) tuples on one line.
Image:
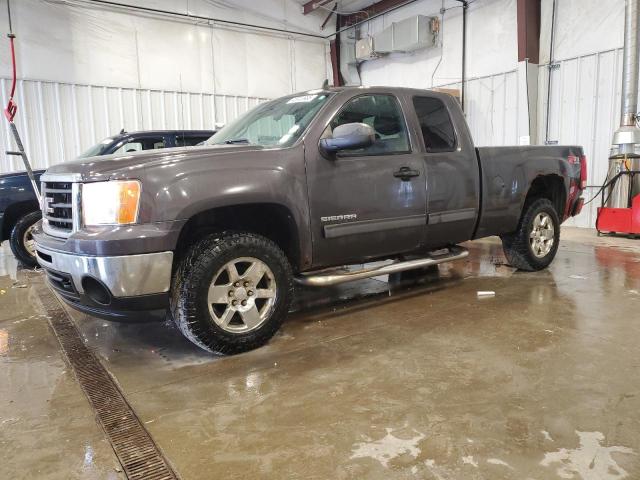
[(236, 140)]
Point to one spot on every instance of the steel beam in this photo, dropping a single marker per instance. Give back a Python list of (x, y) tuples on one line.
[(313, 5), (528, 13), (375, 9)]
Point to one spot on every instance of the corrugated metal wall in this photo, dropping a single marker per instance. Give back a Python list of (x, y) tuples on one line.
[(584, 110), (58, 121), (492, 108)]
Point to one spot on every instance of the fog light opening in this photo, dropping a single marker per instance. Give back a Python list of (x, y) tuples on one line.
[(44, 256), (96, 291)]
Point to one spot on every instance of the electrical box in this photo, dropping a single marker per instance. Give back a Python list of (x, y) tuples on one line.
[(364, 49), (407, 35), (348, 52)]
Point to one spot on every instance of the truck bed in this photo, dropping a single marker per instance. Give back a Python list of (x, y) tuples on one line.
[(506, 175)]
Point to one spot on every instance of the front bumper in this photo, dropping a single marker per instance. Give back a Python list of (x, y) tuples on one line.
[(124, 288)]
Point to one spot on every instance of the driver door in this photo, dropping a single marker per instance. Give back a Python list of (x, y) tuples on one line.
[(367, 203)]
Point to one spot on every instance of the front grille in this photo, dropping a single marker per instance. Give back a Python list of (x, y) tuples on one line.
[(57, 206)]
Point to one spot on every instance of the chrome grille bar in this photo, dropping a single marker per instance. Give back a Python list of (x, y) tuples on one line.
[(60, 205)]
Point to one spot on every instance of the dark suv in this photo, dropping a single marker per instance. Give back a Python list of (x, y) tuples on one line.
[(19, 209)]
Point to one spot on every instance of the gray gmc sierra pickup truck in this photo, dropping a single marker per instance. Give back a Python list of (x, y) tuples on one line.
[(291, 192)]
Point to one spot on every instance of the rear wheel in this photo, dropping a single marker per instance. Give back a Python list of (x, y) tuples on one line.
[(535, 244), (231, 292), (21, 241)]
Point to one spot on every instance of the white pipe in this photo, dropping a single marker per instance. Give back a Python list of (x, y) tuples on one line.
[(630, 66)]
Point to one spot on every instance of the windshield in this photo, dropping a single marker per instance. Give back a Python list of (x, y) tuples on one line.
[(276, 123), (98, 148)]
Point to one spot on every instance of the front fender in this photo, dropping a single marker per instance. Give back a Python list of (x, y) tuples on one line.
[(177, 191)]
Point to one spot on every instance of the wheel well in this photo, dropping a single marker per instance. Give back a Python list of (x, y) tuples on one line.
[(13, 213), (550, 187), (272, 221)]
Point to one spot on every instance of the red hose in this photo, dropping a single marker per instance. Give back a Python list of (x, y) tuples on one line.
[(12, 108)]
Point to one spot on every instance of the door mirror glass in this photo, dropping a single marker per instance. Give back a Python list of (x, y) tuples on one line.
[(348, 136)]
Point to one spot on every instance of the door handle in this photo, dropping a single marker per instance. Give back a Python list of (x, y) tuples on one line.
[(405, 174)]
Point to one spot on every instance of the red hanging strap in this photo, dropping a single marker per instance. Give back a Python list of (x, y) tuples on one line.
[(12, 108)]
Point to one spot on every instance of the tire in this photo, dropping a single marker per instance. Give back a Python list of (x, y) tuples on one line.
[(527, 253), (21, 235), (206, 315)]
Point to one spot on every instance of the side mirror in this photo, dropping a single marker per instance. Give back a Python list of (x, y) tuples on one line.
[(349, 136)]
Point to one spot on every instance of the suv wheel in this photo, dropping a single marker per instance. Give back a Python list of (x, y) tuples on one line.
[(535, 244), (21, 241), (231, 292)]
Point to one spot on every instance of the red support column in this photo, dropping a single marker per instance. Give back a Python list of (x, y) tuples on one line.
[(529, 30)]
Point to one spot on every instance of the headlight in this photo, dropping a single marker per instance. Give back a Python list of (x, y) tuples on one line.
[(110, 203)]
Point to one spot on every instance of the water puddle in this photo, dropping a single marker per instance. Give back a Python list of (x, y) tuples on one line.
[(388, 447), (591, 460)]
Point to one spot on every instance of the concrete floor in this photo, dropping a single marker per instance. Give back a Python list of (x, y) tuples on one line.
[(411, 377)]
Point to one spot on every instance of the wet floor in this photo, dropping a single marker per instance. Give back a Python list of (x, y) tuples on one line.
[(412, 376)]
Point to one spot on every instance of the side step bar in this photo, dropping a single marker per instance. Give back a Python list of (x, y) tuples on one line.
[(335, 276)]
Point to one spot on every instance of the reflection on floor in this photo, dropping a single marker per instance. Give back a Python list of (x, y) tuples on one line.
[(408, 376)]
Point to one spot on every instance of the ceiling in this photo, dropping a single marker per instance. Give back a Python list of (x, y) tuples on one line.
[(345, 6)]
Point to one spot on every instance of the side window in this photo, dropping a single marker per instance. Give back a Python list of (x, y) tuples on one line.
[(137, 144), (383, 114), (190, 140), (437, 130), (129, 147)]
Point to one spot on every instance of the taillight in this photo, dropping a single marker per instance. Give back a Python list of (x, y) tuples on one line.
[(583, 172)]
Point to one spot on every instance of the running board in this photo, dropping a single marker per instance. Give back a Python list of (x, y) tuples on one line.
[(335, 276)]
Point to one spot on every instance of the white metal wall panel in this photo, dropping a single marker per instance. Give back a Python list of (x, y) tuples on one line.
[(91, 71), (585, 98), (491, 44), (584, 110), (58, 121), (91, 44), (492, 108)]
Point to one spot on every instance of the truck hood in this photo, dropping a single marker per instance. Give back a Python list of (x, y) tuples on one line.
[(131, 164), (20, 173)]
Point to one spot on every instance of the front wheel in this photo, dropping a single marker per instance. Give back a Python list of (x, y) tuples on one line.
[(535, 244), (21, 241), (231, 292)]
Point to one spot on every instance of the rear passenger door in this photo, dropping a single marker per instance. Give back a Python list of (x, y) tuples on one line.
[(452, 173)]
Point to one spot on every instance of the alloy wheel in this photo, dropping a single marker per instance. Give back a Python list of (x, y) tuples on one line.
[(542, 236), (28, 242), (242, 295)]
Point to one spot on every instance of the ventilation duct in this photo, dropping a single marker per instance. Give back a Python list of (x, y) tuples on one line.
[(407, 35)]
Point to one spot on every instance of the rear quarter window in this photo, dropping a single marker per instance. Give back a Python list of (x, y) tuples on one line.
[(437, 129)]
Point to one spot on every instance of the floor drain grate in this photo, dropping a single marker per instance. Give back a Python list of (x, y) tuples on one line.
[(137, 452)]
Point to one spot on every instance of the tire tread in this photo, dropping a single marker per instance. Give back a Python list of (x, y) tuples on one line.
[(516, 245), (194, 268), (17, 233)]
